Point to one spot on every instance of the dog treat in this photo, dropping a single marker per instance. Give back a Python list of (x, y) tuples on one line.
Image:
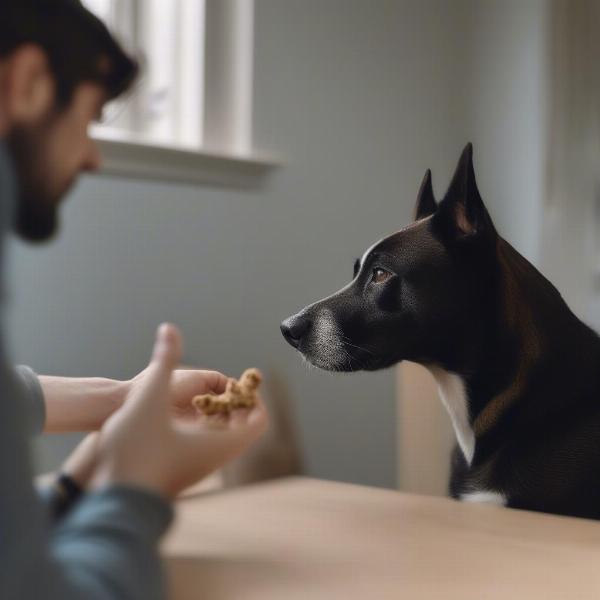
[(237, 394)]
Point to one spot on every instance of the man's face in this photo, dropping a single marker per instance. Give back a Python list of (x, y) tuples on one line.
[(49, 155)]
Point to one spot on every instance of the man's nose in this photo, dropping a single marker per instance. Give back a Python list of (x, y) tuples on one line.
[(294, 328)]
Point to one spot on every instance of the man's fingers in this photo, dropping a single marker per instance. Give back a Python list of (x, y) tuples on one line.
[(240, 423), (216, 382), (239, 417), (81, 462)]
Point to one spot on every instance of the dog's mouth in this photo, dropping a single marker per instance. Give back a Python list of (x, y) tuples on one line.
[(322, 343), (336, 364)]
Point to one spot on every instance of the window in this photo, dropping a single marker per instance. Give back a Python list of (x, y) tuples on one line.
[(195, 90)]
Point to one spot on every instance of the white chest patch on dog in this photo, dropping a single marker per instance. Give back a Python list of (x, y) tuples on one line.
[(485, 498), (454, 397)]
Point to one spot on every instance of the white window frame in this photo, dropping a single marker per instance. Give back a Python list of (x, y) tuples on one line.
[(210, 141)]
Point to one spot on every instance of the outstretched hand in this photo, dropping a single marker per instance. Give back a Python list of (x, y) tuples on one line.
[(185, 384), (155, 442)]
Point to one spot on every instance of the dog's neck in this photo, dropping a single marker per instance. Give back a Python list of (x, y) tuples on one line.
[(514, 361)]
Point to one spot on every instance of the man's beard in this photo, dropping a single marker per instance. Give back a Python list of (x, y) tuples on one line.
[(36, 211)]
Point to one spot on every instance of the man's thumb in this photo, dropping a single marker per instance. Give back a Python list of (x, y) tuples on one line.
[(167, 346), (153, 388)]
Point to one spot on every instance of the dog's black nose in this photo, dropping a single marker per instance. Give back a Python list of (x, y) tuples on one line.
[(293, 328)]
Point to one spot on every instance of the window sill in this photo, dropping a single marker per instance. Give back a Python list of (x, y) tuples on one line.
[(127, 156)]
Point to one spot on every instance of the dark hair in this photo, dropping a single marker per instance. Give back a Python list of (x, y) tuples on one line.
[(78, 45)]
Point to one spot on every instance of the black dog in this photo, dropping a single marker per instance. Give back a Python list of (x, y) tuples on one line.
[(517, 371)]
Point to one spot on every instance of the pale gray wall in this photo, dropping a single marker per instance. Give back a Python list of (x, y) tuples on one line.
[(506, 106), (358, 98)]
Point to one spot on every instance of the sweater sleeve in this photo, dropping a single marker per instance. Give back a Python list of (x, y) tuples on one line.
[(33, 397), (105, 548)]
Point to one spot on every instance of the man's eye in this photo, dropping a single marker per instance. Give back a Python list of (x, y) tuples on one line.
[(380, 275)]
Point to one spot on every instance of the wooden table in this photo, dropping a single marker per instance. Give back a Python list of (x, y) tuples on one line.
[(307, 539)]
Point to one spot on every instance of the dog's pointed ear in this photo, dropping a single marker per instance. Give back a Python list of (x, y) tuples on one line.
[(462, 208), (426, 204)]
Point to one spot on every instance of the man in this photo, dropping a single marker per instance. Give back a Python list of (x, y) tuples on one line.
[(58, 67)]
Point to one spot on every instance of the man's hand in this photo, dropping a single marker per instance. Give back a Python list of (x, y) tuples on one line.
[(81, 463), (185, 384), (143, 444)]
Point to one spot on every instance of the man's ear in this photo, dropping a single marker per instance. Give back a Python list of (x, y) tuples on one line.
[(462, 209), (28, 85), (426, 204)]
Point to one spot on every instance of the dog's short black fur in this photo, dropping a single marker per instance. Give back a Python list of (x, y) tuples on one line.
[(448, 292)]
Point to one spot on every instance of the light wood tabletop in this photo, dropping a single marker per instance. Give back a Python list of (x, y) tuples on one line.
[(307, 539)]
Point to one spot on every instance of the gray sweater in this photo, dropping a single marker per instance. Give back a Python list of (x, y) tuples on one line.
[(106, 547)]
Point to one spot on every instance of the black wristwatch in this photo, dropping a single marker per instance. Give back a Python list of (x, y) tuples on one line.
[(65, 493)]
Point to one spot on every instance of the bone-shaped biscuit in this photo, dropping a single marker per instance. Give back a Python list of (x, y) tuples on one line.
[(237, 394)]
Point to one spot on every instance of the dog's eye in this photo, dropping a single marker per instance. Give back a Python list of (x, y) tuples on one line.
[(380, 275)]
